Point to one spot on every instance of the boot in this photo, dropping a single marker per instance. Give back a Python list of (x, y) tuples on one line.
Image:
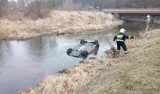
[(125, 52)]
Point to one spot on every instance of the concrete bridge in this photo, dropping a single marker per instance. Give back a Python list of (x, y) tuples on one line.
[(133, 12), (150, 14)]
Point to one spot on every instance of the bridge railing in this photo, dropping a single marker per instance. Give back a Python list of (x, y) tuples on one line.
[(131, 10)]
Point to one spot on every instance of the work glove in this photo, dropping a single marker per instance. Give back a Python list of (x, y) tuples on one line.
[(131, 37)]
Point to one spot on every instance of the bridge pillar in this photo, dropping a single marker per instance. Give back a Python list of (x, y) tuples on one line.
[(116, 16)]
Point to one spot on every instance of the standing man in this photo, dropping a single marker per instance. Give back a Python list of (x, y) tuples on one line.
[(120, 39)]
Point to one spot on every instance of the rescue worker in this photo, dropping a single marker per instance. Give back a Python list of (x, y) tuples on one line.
[(120, 40)]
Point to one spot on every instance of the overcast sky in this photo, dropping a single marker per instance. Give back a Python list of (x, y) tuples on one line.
[(12, 0)]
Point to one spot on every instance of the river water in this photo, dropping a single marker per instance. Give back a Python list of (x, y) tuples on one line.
[(24, 64)]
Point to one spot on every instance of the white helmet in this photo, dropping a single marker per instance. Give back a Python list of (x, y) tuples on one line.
[(148, 16), (122, 30)]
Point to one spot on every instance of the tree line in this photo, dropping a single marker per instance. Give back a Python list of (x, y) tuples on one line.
[(28, 7), (34, 8)]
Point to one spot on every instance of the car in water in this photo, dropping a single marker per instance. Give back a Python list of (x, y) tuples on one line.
[(84, 49)]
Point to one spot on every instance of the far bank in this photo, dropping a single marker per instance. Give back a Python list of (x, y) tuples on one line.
[(58, 23)]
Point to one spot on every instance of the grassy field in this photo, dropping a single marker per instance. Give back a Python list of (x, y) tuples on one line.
[(137, 72)]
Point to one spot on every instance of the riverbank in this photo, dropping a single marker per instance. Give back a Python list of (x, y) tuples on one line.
[(57, 22), (135, 72)]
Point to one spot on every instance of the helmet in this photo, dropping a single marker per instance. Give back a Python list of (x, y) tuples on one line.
[(148, 16), (122, 30)]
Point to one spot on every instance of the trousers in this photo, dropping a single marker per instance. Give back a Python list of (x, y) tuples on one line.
[(121, 44)]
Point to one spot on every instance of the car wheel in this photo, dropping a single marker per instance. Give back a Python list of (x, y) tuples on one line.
[(84, 54), (96, 42), (69, 51), (82, 41)]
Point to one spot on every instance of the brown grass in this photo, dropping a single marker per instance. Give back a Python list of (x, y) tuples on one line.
[(59, 22), (142, 77)]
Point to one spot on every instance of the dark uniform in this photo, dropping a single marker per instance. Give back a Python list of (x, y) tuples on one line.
[(120, 39)]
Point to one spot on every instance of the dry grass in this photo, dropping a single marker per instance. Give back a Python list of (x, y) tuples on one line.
[(59, 22), (142, 77)]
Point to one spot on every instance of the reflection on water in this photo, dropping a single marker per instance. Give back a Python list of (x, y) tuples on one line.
[(25, 63)]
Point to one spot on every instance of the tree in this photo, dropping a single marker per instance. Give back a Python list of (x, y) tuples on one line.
[(3, 6), (21, 5), (53, 3), (68, 4), (34, 10)]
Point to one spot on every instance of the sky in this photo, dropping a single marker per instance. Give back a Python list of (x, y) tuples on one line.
[(12, 0)]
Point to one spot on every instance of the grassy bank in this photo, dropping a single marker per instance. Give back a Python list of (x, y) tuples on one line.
[(58, 22), (137, 72), (142, 74)]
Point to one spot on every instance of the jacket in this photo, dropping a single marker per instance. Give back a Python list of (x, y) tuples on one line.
[(120, 37)]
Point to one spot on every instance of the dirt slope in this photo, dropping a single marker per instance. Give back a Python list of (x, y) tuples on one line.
[(137, 72)]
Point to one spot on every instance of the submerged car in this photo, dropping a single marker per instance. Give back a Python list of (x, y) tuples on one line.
[(84, 49)]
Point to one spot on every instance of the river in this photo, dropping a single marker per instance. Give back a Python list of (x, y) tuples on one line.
[(24, 64)]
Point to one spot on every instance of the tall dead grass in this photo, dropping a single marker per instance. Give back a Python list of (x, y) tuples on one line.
[(59, 22), (142, 77)]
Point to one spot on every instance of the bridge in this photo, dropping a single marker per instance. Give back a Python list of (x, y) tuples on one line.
[(150, 14), (133, 12)]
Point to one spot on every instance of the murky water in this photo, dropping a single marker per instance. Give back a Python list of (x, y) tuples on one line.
[(25, 63)]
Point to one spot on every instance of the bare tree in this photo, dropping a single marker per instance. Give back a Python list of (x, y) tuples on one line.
[(34, 9), (21, 5), (37, 9), (68, 4), (3, 6)]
